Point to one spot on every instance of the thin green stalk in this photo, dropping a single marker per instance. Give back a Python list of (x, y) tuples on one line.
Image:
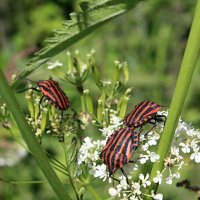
[(61, 171), (181, 89), (31, 141), (22, 182), (56, 162)]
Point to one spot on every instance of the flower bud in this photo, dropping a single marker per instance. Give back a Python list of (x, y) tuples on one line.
[(95, 73), (125, 71), (123, 107), (99, 110), (81, 191), (45, 118), (88, 101)]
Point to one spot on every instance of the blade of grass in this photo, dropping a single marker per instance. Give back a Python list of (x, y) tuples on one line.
[(180, 93), (31, 141)]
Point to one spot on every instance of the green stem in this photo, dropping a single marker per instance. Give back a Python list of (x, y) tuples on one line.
[(181, 89), (56, 162), (61, 171), (30, 140), (22, 182)]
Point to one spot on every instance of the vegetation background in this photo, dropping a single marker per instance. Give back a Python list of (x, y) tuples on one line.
[(151, 38)]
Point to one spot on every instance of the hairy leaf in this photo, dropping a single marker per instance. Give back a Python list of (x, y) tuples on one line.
[(81, 24)]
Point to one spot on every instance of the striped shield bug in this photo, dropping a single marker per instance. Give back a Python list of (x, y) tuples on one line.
[(53, 93), (143, 113), (118, 150)]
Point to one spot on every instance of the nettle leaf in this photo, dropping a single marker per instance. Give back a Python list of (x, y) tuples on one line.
[(81, 24)]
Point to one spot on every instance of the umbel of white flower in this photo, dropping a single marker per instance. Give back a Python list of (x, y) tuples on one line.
[(186, 144)]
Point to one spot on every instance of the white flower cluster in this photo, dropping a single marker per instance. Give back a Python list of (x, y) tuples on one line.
[(89, 154), (115, 123), (186, 142), (135, 191)]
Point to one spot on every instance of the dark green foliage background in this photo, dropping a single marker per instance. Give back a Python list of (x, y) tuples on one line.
[(150, 38)]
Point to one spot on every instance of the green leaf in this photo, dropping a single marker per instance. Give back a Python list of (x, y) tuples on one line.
[(81, 24)]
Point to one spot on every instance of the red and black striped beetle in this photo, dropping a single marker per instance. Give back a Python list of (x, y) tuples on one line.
[(53, 93), (119, 148), (143, 113)]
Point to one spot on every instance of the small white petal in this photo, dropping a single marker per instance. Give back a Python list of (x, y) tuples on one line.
[(169, 180), (113, 192), (141, 176), (196, 157), (157, 196)]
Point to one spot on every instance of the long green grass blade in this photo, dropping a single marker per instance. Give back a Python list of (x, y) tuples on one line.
[(180, 93), (30, 140)]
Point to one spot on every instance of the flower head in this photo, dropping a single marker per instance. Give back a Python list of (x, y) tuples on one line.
[(144, 179)]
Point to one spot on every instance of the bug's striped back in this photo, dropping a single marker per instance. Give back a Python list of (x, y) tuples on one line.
[(141, 114), (119, 147), (52, 91)]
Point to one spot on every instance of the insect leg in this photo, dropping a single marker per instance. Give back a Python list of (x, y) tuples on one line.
[(134, 161), (150, 129), (159, 118), (41, 100), (124, 173), (113, 178), (61, 116)]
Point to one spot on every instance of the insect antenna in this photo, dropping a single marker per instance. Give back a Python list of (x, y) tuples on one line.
[(32, 88)]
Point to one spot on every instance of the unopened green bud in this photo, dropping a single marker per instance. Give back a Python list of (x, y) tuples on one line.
[(81, 191), (91, 58), (126, 72), (95, 73), (45, 118), (83, 103), (99, 111), (129, 90), (37, 110), (123, 107), (53, 110), (88, 101), (106, 116)]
